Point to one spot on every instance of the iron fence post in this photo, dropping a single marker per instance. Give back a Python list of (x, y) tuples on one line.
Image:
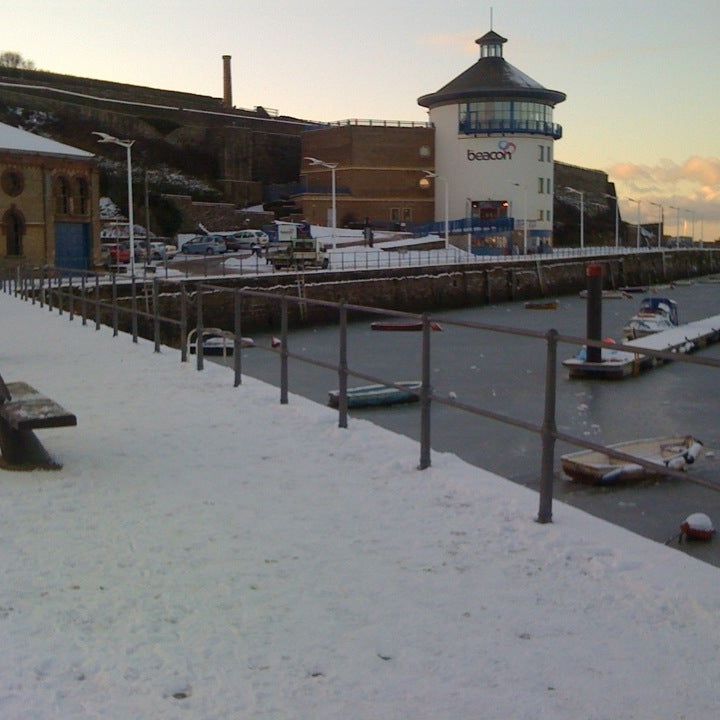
[(548, 431), (156, 313), (71, 300), (199, 355), (83, 301), (237, 340), (58, 285), (343, 369), (97, 301), (134, 309), (32, 284), (114, 305), (183, 323), (284, 351), (42, 287), (425, 391)]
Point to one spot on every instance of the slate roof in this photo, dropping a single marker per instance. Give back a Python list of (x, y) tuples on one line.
[(17, 140)]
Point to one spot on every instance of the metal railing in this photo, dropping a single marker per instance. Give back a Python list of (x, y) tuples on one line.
[(73, 292)]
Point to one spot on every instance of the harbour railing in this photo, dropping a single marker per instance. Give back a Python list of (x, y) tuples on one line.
[(78, 293)]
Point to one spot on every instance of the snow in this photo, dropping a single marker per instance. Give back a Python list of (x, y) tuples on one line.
[(206, 552), (18, 140)]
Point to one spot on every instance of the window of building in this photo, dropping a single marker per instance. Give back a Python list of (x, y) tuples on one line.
[(549, 153), (62, 196), (82, 196), (407, 215), (395, 215), (541, 153), (548, 188), (541, 185), (534, 117), (12, 182)]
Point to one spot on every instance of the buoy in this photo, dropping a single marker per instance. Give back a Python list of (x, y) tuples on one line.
[(697, 526), (275, 342)]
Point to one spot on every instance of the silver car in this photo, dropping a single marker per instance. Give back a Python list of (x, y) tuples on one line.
[(205, 245)]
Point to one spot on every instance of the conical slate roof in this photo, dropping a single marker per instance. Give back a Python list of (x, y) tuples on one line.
[(488, 78)]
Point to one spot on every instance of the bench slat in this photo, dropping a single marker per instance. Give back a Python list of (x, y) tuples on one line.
[(29, 410)]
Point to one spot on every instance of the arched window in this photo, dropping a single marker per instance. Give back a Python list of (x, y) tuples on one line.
[(14, 227), (62, 196), (82, 196)]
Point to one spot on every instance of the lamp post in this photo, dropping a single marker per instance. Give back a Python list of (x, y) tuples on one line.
[(331, 167), (525, 215), (677, 224), (638, 219), (660, 222), (127, 144), (582, 214), (429, 174), (617, 218)]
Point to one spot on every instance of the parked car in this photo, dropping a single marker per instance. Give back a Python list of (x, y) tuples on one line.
[(205, 245), (161, 251), (247, 240), (119, 253)]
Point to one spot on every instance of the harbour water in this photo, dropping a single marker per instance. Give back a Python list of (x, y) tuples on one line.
[(505, 374)]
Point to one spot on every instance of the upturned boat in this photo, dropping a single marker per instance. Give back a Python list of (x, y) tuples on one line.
[(378, 395)]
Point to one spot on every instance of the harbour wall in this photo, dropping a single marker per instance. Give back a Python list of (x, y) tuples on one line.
[(420, 289)]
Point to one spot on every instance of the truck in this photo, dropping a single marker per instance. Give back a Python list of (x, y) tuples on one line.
[(297, 255)]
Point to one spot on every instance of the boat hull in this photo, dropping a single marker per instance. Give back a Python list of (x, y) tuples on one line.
[(377, 395), (383, 326)]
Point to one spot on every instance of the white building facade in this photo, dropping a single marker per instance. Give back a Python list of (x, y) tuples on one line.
[(494, 137)]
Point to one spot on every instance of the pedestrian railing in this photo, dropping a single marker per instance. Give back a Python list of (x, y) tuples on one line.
[(78, 293)]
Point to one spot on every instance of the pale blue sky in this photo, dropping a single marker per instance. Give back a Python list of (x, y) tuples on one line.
[(641, 77)]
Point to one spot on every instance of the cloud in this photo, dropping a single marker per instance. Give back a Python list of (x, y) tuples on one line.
[(704, 171)]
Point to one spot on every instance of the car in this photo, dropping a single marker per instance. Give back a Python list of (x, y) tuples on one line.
[(119, 253), (247, 240), (205, 245), (161, 251)]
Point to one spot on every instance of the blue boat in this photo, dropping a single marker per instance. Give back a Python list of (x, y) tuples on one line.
[(378, 395)]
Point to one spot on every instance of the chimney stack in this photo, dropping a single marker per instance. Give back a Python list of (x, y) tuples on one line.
[(227, 82)]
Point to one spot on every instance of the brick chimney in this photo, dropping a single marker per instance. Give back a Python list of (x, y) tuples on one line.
[(227, 82)]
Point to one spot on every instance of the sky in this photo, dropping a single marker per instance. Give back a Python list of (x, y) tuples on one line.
[(640, 77), (206, 552)]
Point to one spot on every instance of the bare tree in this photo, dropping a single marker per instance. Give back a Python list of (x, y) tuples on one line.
[(13, 59)]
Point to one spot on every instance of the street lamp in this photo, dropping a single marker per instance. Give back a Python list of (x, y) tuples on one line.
[(525, 217), (617, 217), (331, 167), (660, 222), (127, 144), (429, 174), (582, 214), (638, 219)]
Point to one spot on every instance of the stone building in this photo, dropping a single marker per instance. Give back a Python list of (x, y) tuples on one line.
[(49, 202)]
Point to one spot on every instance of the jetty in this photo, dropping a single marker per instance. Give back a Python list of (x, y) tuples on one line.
[(619, 364)]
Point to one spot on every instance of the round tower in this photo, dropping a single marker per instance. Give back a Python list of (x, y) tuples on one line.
[(494, 136)]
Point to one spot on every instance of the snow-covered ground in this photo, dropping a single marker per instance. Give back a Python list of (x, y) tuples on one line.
[(209, 553)]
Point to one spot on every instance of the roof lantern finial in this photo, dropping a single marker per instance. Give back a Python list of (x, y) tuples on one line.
[(491, 44)]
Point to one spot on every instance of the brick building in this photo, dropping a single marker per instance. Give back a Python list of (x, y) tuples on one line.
[(379, 168), (49, 201)]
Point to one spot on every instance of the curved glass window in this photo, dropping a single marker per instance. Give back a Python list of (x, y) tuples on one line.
[(507, 116)]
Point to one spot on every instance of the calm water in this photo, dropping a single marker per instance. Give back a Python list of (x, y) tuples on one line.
[(505, 374)]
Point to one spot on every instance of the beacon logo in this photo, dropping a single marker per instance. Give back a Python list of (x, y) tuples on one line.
[(504, 152)]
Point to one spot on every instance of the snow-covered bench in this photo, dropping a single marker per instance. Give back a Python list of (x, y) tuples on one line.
[(22, 410)]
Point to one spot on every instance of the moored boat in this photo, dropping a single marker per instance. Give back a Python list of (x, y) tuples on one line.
[(655, 315), (403, 325), (599, 468), (378, 395), (216, 342), (542, 305)]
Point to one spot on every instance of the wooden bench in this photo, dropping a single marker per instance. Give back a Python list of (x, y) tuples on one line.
[(22, 410)]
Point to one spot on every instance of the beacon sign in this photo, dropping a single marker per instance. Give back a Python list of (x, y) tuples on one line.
[(504, 152)]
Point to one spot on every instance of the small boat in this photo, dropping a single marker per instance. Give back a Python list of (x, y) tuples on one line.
[(609, 294), (598, 468), (634, 289), (376, 395), (403, 326), (217, 342), (542, 305), (655, 315)]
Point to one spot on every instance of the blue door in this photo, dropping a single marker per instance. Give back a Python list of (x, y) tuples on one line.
[(72, 246)]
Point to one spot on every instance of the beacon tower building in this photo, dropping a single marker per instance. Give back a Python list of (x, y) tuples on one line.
[(494, 135)]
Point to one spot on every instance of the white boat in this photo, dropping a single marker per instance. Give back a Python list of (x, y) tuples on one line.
[(216, 342), (655, 315), (599, 468)]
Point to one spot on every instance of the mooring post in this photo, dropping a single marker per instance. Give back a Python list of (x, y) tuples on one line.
[(594, 274)]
